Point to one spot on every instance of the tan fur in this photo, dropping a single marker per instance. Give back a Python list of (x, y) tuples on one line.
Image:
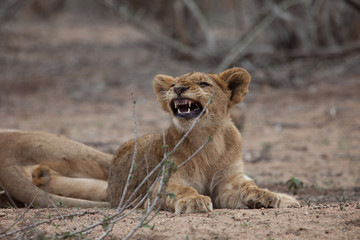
[(214, 177), (52, 166)]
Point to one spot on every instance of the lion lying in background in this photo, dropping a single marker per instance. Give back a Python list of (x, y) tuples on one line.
[(36, 163), (41, 164)]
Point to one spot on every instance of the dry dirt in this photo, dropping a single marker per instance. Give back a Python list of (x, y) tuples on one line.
[(73, 79)]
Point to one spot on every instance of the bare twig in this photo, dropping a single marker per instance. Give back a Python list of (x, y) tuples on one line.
[(8, 195), (196, 152), (333, 51), (134, 155), (47, 221), (354, 4), (6, 6), (19, 218), (62, 217), (211, 44), (149, 210), (237, 51), (158, 38)]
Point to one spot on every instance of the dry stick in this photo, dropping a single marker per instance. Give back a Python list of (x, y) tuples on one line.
[(149, 210), (17, 220), (237, 51), (119, 209), (8, 195), (211, 44), (196, 152), (113, 221), (62, 217), (156, 211), (354, 4), (112, 217), (47, 221), (159, 38), (8, 5), (134, 155)]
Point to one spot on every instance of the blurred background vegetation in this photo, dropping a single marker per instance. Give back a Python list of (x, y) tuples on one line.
[(281, 42)]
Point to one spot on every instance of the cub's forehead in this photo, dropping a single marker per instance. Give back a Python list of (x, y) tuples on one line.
[(195, 77)]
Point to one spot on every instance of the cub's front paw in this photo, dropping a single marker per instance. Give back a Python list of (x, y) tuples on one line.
[(193, 204), (265, 198), (287, 201)]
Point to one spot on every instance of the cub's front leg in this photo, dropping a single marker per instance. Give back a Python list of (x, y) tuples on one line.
[(186, 200), (234, 191)]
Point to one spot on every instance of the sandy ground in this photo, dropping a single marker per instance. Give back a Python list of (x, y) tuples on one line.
[(74, 80)]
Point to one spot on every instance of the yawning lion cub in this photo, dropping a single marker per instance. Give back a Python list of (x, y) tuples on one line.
[(35, 165), (214, 177)]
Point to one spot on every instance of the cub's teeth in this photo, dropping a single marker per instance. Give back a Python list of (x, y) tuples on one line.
[(179, 110), (176, 105), (188, 110), (189, 104)]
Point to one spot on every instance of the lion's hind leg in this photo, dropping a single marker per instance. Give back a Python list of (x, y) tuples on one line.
[(73, 187)]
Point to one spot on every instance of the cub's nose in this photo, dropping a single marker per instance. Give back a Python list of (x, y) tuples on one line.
[(179, 90)]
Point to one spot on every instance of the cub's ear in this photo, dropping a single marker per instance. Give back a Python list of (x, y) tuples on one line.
[(237, 80), (161, 85)]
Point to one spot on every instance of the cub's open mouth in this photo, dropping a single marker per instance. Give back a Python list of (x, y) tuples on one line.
[(186, 108)]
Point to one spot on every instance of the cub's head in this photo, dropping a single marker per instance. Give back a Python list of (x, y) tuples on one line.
[(186, 96)]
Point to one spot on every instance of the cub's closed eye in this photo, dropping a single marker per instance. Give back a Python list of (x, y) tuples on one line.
[(204, 84), (172, 85)]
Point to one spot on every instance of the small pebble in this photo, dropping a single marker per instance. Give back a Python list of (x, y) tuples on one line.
[(2, 214), (306, 213)]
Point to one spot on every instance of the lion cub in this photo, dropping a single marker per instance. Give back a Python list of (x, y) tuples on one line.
[(214, 177)]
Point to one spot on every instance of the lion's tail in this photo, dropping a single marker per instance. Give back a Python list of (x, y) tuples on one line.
[(21, 189)]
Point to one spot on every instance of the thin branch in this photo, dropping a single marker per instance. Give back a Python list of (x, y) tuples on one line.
[(149, 210), (333, 51), (195, 153), (237, 51), (354, 4), (8, 195), (134, 155), (19, 218), (47, 221), (157, 37), (62, 217), (211, 44)]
